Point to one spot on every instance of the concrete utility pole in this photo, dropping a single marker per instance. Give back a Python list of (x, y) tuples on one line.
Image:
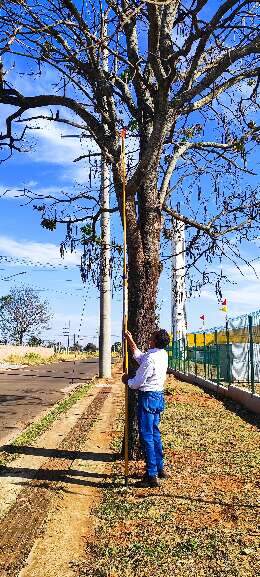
[(105, 283), (66, 333), (179, 328)]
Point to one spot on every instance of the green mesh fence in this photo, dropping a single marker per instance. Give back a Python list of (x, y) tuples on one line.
[(226, 355)]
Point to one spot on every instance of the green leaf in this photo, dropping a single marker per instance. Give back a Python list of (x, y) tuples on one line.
[(49, 223)]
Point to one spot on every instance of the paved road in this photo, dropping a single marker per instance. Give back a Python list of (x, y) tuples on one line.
[(26, 393)]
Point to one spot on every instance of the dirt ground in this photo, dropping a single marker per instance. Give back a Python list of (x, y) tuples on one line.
[(48, 492)]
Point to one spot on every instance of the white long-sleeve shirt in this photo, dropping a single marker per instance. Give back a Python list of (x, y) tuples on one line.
[(151, 374)]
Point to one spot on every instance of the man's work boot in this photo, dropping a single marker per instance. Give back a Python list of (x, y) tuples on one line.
[(148, 481), (163, 474)]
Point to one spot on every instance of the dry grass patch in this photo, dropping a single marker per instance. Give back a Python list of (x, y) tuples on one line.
[(204, 520), (33, 358)]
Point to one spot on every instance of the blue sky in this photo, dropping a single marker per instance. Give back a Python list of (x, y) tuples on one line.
[(23, 238), (49, 166)]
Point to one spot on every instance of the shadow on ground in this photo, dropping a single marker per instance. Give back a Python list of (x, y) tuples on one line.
[(59, 453)]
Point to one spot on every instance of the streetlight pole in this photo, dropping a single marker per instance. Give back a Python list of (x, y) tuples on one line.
[(178, 282)]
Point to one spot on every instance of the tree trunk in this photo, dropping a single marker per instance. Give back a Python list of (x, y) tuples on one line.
[(144, 268)]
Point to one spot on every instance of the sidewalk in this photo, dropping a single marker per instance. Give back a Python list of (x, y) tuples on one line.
[(48, 492)]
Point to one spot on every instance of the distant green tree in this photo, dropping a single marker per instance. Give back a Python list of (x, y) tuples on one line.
[(116, 347), (22, 311), (34, 341), (90, 348)]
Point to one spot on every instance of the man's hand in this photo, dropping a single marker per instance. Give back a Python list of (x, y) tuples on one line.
[(125, 378), (130, 340)]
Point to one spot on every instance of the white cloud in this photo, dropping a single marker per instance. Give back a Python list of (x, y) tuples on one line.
[(52, 147), (247, 296), (241, 299), (50, 143), (208, 295), (53, 142), (37, 253), (245, 272)]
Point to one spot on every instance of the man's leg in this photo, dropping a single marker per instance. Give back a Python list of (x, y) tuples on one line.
[(146, 423), (158, 443)]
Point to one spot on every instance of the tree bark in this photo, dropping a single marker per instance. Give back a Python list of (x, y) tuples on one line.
[(143, 277), (144, 268)]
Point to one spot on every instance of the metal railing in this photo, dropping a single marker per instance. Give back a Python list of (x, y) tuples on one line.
[(225, 355)]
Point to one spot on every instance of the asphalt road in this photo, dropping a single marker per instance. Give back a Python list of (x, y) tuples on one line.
[(27, 392)]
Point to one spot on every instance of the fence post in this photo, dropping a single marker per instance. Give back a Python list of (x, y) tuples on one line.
[(195, 351), (184, 354), (210, 362), (217, 355), (204, 354), (251, 354), (179, 354), (188, 353), (228, 354)]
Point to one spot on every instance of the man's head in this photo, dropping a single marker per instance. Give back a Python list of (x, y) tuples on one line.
[(159, 339)]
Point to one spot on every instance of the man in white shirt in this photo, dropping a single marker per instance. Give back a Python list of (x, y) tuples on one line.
[(149, 381)]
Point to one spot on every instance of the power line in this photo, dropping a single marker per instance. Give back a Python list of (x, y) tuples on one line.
[(35, 263), (12, 275)]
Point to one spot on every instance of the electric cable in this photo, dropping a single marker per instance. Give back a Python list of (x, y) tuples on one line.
[(79, 331)]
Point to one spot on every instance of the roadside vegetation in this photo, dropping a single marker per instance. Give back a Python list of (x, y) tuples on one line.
[(202, 522), (37, 359)]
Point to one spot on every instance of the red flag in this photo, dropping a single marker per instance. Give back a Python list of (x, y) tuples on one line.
[(224, 303), (202, 317)]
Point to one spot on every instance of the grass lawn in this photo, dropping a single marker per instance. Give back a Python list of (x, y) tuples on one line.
[(203, 521)]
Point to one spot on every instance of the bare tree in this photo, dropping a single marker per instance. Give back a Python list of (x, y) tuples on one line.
[(21, 312), (183, 79)]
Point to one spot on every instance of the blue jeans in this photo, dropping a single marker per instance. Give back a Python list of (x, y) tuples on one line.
[(150, 406)]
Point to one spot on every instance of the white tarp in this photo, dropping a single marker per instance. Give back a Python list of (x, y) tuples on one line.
[(240, 363)]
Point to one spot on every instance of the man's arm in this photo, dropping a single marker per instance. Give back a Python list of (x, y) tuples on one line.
[(137, 354)]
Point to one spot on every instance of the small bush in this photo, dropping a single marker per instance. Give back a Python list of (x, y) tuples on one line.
[(27, 359), (33, 358), (14, 359)]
